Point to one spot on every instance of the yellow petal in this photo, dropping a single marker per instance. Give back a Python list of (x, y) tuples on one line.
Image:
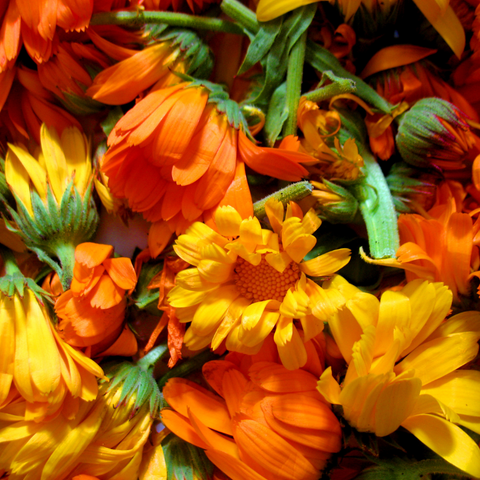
[(180, 297), (251, 232), (291, 349), (55, 161), (446, 23), (228, 221), (447, 440), (326, 264), (329, 387), (75, 148), (231, 318), (270, 9)]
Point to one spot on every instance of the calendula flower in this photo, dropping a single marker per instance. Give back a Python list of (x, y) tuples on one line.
[(435, 132), (403, 367), (319, 126), (247, 281), (176, 157), (92, 311), (265, 421), (55, 211), (439, 246), (36, 363), (105, 439)]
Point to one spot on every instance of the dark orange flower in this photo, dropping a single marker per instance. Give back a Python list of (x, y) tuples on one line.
[(266, 423), (175, 157), (194, 5), (93, 310)]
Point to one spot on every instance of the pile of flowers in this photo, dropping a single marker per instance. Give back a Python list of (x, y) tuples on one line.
[(239, 239)]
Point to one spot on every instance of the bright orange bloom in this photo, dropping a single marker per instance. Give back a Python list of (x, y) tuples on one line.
[(29, 105), (93, 310), (439, 246), (266, 423), (176, 158)]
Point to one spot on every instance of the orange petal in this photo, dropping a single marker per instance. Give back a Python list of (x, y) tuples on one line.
[(121, 271), (92, 254)]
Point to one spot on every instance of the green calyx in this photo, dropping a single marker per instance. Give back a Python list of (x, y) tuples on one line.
[(53, 231), (137, 383)]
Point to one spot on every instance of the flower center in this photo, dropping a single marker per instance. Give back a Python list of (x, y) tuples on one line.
[(263, 282)]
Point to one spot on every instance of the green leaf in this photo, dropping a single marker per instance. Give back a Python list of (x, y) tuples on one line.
[(277, 114)]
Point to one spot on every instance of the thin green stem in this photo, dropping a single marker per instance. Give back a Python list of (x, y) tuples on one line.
[(9, 261), (138, 19), (241, 14), (187, 367), (152, 357), (377, 209), (66, 254), (294, 83), (338, 87), (291, 193)]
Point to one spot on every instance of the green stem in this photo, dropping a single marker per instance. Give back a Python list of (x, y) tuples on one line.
[(187, 367), (323, 60), (152, 357), (66, 254), (294, 83), (241, 14), (377, 209), (9, 261), (291, 193), (338, 87), (138, 19)]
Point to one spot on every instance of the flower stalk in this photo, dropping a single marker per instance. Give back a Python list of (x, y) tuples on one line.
[(173, 19), (241, 14)]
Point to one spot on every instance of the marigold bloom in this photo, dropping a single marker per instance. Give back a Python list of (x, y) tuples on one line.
[(105, 439), (246, 281), (176, 157), (439, 246), (38, 364), (403, 367), (281, 427), (92, 311)]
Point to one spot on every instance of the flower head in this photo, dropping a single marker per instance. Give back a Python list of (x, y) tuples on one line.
[(37, 365), (403, 362), (92, 311), (247, 281), (106, 435), (176, 157), (265, 421)]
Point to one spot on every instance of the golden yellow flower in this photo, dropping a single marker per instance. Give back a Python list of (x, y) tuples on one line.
[(36, 364), (403, 367), (247, 281), (55, 163)]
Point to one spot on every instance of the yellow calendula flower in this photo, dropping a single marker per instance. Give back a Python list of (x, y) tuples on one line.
[(52, 187), (403, 367), (247, 281), (104, 440), (37, 365)]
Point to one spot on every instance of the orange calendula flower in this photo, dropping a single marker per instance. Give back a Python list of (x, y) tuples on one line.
[(92, 311), (403, 367), (265, 423), (176, 157), (439, 246), (37, 364), (247, 281)]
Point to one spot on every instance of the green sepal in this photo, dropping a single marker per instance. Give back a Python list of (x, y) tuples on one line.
[(80, 105), (343, 211), (185, 461), (114, 115), (137, 385), (277, 114)]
